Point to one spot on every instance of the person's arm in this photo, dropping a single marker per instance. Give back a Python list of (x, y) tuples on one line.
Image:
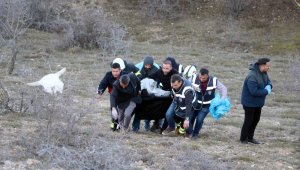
[(113, 96), (189, 96), (103, 84), (221, 88), (253, 88), (154, 75)]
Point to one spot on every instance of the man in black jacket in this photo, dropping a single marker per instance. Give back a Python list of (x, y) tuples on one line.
[(109, 78), (163, 77), (107, 83), (124, 97), (148, 69)]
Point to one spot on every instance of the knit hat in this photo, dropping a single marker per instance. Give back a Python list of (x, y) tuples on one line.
[(148, 60)]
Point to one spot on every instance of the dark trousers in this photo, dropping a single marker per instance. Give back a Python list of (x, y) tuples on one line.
[(252, 116)]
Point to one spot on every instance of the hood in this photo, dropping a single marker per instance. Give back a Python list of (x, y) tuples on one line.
[(253, 67), (121, 62), (148, 60), (173, 61)]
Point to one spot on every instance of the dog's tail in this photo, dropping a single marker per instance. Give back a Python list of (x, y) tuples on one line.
[(59, 73), (37, 83)]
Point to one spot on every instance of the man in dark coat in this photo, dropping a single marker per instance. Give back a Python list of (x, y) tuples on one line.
[(124, 97), (148, 69), (257, 86), (107, 83)]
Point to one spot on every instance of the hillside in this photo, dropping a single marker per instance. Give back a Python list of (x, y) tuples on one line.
[(71, 130)]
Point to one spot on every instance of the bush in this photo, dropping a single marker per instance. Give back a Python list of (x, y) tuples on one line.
[(236, 6), (85, 28), (162, 9)]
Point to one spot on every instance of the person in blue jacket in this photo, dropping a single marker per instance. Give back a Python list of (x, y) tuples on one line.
[(257, 86)]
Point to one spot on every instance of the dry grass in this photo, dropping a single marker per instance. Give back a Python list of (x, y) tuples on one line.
[(218, 146)]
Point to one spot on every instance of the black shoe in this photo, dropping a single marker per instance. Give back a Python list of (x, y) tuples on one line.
[(253, 141), (155, 127), (244, 141)]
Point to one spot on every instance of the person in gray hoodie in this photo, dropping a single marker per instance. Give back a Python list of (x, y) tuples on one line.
[(257, 86)]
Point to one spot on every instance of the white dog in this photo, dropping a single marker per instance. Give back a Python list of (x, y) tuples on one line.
[(51, 82)]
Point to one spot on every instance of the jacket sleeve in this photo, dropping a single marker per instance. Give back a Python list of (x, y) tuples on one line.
[(103, 84), (132, 68), (113, 96), (253, 87), (189, 96), (154, 75), (138, 84), (222, 89)]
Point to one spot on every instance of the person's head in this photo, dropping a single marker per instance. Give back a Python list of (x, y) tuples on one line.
[(172, 59), (124, 81), (148, 62), (203, 74), (176, 81), (264, 64), (115, 69), (166, 67), (121, 62)]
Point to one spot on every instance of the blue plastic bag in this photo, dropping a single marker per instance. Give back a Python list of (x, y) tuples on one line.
[(219, 107)]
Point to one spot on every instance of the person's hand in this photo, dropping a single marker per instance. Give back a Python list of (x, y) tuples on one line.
[(268, 88), (114, 113), (98, 96), (196, 87), (186, 124)]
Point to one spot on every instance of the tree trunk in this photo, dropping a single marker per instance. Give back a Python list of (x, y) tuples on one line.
[(13, 59)]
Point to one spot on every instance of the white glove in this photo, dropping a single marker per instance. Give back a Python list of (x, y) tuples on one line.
[(196, 87), (114, 113)]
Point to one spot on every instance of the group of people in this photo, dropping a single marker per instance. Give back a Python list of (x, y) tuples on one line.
[(191, 93)]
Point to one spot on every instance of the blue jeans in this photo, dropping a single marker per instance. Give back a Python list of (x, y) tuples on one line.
[(136, 124), (170, 115), (198, 116)]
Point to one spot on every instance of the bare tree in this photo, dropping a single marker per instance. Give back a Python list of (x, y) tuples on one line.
[(14, 21)]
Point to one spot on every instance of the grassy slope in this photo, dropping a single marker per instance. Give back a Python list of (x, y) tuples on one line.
[(203, 42)]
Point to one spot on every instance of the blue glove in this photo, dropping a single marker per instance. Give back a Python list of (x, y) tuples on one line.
[(268, 88)]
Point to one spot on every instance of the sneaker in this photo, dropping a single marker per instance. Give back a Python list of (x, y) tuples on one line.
[(112, 125), (188, 136), (177, 130), (155, 128), (253, 141), (168, 131), (181, 131), (244, 141)]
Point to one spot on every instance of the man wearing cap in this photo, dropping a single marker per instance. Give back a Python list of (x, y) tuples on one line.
[(123, 99), (107, 83), (256, 87), (205, 87)]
